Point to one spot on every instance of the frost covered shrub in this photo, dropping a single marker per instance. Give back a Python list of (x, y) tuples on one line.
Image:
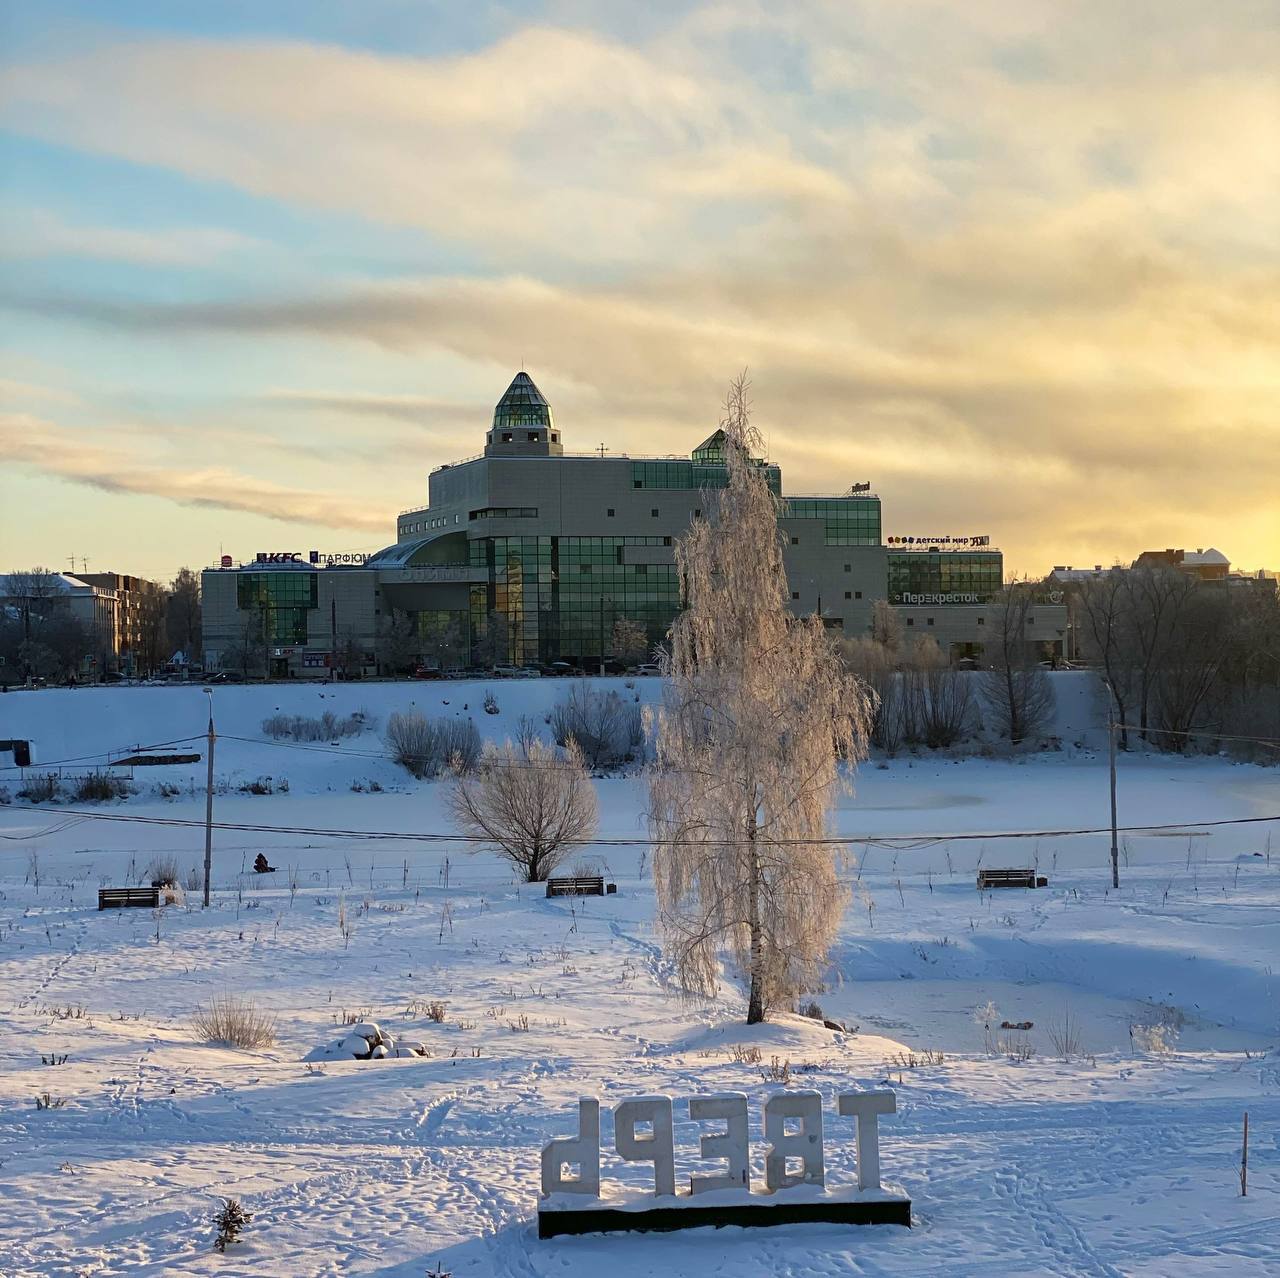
[(427, 746), (327, 727), (264, 785), (98, 787), (608, 730), (162, 871), (42, 788), (1158, 1040), (234, 1022)]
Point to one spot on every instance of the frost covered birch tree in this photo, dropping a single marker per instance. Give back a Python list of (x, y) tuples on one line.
[(757, 712)]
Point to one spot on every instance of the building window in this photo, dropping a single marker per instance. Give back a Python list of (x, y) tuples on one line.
[(507, 437), (666, 541), (795, 541), (654, 512), (982, 621), (609, 512), (848, 594), (555, 439), (911, 621), (534, 437), (642, 570), (795, 594), (857, 594), (584, 567), (697, 512), (929, 621)]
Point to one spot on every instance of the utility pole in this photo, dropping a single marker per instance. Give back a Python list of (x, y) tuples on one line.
[(333, 637), (1111, 752), (208, 805)]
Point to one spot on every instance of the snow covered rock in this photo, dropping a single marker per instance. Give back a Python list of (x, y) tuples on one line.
[(363, 1042)]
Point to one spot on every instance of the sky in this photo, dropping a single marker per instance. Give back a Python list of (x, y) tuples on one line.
[(265, 265)]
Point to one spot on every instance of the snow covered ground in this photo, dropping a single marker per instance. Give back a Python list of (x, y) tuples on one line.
[(1121, 1159)]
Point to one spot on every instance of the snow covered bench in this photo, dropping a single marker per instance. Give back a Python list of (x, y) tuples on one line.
[(122, 898), (580, 885), (1009, 879)]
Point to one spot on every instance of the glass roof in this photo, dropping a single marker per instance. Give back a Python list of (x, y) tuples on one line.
[(523, 405)]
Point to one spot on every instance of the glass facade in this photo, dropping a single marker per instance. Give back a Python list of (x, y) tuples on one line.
[(677, 473), (944, 576), (846, 521), (284, 599), (554, 597)]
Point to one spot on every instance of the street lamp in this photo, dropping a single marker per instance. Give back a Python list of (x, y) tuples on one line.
[(208, 804), (1111, 756)]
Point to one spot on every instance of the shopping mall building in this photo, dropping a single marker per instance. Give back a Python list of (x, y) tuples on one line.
[(529, 554)]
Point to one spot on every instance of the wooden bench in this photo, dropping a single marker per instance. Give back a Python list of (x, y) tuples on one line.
[(123, 898), (1009, 879), (580, 885)]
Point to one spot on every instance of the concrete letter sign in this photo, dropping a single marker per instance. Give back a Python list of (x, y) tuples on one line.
[(805, 1110), (866, 1107), (731, 1107), (582, 1150), (643, 1132), (658, 1147)]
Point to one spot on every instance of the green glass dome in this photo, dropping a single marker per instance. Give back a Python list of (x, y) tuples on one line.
[(522, 407)]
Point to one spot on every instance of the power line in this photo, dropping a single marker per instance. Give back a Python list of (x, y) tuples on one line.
[(102, 754), (899, 841), (1217, 736)]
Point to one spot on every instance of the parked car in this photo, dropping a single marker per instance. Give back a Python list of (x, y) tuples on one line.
[(528, 672), (648, 668), (503, 672), (226, 676), (561, 668), (428, 672)]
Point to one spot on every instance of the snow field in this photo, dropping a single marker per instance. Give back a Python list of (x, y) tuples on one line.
[(1120, 1160)]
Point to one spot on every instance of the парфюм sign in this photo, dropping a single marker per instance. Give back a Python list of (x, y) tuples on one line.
[(313, 557), (329, 557), (938, 541), (795, 1185)]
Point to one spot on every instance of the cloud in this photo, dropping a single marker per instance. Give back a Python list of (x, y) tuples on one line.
[(65, 454), (31, 233), (982, 254)]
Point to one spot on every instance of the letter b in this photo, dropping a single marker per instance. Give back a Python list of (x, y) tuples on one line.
[(805, 1144), (582, 1149)]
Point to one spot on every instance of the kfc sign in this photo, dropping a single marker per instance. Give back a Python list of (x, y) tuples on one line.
[(278, 557)]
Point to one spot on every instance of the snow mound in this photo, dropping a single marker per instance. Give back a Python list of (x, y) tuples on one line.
[(366, 1041)]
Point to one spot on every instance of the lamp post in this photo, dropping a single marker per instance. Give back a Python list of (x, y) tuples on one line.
[(1111, 758), (208, 804)]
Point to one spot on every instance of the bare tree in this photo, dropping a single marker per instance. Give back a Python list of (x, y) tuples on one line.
[(183, 614), (492, 646), (398, 645), (1187, 678), (152, 649), (533, 807), (1154, 597), (1100, 610), (248, 650), (629, 642), (1018, 690), (886, 625), (756, 713), (876, 667), (608, 729), (939, 699)]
